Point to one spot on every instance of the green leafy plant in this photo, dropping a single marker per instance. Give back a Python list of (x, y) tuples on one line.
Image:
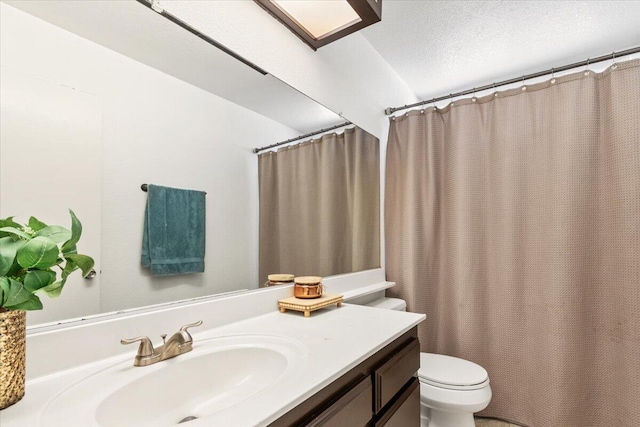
[(31, 257)]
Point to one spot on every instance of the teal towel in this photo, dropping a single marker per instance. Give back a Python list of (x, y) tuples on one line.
[(174, 231)]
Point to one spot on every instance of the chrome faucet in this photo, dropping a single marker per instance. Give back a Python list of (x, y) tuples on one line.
[(179, 343)]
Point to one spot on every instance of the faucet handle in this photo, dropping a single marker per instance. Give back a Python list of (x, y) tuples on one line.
[(185, 333), (191, 325), (145, 348)]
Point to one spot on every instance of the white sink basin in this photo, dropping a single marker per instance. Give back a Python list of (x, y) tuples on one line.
[(217, 375)]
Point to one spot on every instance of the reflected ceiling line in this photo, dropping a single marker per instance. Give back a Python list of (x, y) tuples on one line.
[(151, 4), (307, 135), (156, 7), (607, 57)]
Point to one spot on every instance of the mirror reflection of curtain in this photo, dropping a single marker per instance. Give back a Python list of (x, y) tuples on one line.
[(319, 206), (513, 222)]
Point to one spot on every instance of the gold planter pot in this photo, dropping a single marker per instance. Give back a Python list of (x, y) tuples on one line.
[(13, 337)]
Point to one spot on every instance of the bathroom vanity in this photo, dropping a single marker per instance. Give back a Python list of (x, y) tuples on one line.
[(250, 366), (380, 391)]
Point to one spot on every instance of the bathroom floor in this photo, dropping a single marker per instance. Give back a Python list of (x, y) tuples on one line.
[(490, 422)]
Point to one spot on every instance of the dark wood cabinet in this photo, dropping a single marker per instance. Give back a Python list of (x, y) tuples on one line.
[(404, 410), (381, 391), (391, 376), (351, 409)]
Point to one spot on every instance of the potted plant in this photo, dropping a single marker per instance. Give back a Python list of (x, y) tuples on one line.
[(35, 259)]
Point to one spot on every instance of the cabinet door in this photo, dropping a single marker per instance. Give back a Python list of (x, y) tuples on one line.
[(353, 408), (405, 411), (396, 372)]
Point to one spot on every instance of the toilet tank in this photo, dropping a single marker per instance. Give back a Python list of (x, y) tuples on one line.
[(389, 304)]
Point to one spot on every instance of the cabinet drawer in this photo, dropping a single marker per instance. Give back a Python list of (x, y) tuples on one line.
[(393, 374), (353, 408), (405, 411)]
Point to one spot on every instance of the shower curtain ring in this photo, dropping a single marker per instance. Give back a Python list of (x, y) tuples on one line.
[(523, 87), (613, 59), (586, 71), (553, 77), (474, 99), (495, 94)]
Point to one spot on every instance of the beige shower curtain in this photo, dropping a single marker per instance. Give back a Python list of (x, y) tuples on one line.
[(513, 222), (319, 206)]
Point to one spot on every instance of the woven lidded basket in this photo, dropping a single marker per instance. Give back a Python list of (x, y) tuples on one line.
[(13, 335)]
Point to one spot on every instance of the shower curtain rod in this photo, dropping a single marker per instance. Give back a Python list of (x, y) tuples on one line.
[(612, 56), (277, 144)]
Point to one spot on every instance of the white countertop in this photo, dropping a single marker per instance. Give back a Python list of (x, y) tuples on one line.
[(335, 340)]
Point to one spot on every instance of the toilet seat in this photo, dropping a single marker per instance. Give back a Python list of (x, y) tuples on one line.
[(451, 373)]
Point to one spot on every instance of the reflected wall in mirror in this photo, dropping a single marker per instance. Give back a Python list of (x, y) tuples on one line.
[(134, 99)]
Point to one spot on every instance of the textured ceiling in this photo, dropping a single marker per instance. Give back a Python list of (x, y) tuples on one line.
[(440, 47)]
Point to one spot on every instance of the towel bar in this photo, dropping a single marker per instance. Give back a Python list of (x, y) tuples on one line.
[(144, 188)]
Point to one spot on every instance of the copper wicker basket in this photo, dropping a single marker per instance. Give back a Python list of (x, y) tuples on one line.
[(13, 337)]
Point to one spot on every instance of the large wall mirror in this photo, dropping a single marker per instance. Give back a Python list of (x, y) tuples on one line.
[(101, 97)]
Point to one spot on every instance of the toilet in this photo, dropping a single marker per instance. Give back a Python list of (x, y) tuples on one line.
[(451, 389)]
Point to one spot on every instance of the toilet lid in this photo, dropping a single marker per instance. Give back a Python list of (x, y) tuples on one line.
[(451, 372)]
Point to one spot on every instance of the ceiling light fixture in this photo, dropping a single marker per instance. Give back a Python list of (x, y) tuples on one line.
[(319, 22)]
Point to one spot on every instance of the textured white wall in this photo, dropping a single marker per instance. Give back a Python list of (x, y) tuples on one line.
[(156, 129)]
